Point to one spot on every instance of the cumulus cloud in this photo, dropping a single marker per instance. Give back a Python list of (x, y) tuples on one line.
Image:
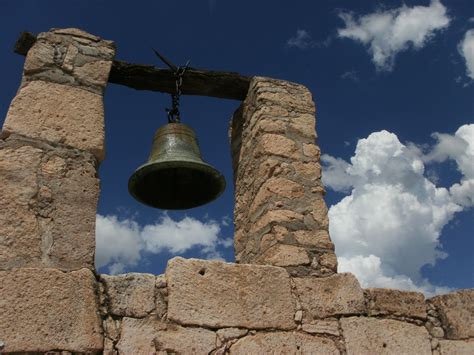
[(386, 33), (389, 226), (121, 243), (118, 243), (371, 274), (460, 148), (466, 49), (335, 175)]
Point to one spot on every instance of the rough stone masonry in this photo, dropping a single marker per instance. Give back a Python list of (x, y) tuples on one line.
[(284, 296)]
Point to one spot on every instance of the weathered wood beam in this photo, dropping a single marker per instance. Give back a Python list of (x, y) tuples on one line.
[(227, 85), (195, 82)]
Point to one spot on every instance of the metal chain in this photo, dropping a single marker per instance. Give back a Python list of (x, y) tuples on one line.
[(173, 113)]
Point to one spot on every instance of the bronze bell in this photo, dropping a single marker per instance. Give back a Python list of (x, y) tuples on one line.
[(175, 176)]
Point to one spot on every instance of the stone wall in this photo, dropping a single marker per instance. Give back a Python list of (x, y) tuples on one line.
[(53, 301), (280, 216), (215, 307), (205, 307)]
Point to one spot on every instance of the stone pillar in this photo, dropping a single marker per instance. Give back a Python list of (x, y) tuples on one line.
[(50, 147), (51, 143), (280, 215)]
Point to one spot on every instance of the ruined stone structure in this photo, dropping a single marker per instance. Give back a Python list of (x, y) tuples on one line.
[(283, 296)]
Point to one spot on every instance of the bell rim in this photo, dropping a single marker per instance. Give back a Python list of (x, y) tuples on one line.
[(162, 165)]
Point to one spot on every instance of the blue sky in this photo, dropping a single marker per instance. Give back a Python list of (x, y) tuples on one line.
[(393, 85)]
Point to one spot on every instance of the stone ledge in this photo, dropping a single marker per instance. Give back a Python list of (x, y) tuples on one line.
[(456, 310), (46, 309), (384, 336), (215, 294), (450, 347), (398, 303), (335, 295), (149, 335), (283, 343)]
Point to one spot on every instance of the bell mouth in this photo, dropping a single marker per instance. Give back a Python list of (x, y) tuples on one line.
[(176, 185)]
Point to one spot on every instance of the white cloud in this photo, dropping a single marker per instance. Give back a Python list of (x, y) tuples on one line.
[(301, 40), (121, 243), (351, 75), (179, 236), (466, 49), (371, 274), (335, 176), (389, 226), (460, 148), (117, 242), (386, 33)]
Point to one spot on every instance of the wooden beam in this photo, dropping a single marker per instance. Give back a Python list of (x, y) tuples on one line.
[(227, 85), (195, 82)]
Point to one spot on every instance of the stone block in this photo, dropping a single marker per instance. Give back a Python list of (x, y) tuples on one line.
[(330, 327), (384, 336), (284, 188), (330, 296), (283, 343), (277, 217), (130, 295), (217, 294), (303, 126), (226, 334), (320, 212), (94, 72), (75, 32), (69, 58), (436, 332), (456, 310), (329, 261), (161, 299), (151, 336), (276, 187), (59, 114), (268, 124), (311, 150), (382, 301), (112, 327), (310, 171), (39, 56), (48, 200), (456, 347), (277, 145), (285, 255), (319, 239), (291, 96), (46, 309), (20, 239), (280, 187)]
